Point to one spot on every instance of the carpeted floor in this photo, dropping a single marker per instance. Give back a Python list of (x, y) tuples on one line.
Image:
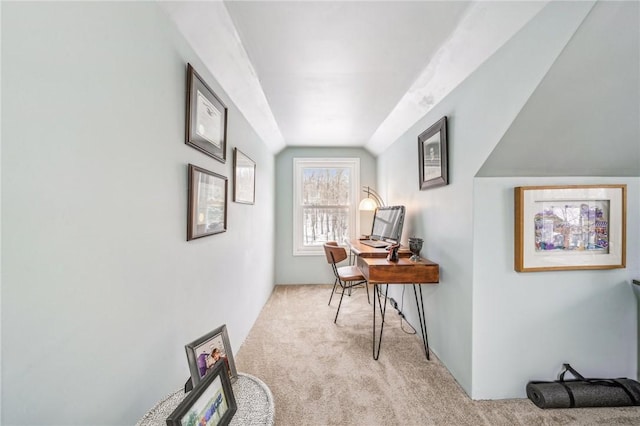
[(321, 373)]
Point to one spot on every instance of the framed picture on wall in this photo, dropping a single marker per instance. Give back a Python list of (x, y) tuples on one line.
[(432, 156), (570, 227), (244, 181), (207, 197), (206, 118), (203, 352)]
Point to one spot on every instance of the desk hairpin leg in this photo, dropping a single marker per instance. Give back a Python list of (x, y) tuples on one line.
[(422, 318), (383, 310)]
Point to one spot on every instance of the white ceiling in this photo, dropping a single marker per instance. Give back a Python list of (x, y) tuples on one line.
[(343, 73)]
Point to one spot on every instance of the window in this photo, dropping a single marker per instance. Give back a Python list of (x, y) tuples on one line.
[(325, 200)]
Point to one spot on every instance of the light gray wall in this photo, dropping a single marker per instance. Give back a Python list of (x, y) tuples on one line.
[(459, 310), (100, 289), (582, 120), (526, 325), (592, 127), (306, 269)]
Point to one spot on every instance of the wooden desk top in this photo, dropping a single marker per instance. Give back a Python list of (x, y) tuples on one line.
[(363, 250), (380, 271)]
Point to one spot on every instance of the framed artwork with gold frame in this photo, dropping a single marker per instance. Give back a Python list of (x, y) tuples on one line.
[(570, 227)]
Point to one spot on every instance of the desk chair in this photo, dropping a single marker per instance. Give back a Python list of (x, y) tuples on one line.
[(347, 276)]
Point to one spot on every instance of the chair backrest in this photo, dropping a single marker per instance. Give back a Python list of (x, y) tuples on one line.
[(334, 252)]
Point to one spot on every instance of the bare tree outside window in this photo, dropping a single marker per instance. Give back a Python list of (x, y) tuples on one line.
[(325, 202), (326, 205)]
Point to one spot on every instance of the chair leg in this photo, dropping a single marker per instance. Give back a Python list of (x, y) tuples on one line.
[(366, 285), (335, 283), (340, 303)]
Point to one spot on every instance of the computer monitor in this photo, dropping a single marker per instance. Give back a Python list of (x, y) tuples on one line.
[(387, 223)]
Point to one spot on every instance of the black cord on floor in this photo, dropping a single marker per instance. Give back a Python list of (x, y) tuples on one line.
[(409, 324), (404, 287), (402, 318)]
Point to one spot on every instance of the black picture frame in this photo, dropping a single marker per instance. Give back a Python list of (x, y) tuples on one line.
[(213, 399), (207, 203), (432, 156), (244, 180), (206, 118), (200, 351)]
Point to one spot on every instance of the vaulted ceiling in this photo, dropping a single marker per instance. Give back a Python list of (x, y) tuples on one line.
[(343, 73)]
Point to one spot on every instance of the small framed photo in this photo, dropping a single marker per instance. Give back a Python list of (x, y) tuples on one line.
[(244, 182), (207, 210), (206, 118), (203, 353), (432, 156), (570, 227), (211, 402)]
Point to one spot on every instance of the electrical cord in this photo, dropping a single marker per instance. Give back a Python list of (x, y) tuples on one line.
[(404, 287), (394, 305)]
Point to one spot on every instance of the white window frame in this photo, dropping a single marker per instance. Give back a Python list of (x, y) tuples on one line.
[(299, 164)]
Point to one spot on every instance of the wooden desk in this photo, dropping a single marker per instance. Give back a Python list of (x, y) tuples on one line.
[(378, 270), (381, 271)]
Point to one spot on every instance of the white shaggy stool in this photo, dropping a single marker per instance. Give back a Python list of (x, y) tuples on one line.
[(253, 398)]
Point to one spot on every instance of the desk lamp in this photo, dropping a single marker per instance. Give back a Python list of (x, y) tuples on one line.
[(372, 201), (368, 204)]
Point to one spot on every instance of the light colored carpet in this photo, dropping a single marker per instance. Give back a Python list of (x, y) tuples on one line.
[(321, 373)]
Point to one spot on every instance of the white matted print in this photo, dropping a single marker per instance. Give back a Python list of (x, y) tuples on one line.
[(570, 227)]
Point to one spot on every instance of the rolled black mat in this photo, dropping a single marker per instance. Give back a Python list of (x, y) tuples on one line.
[(584, 393)]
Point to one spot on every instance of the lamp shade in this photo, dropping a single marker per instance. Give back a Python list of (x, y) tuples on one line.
[(367, 204)]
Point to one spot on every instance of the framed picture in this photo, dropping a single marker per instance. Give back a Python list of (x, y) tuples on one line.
[(211, 402), (206, 118), (244, 182), (432, 155), (203, 353), (570, 227), (207, 211)]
